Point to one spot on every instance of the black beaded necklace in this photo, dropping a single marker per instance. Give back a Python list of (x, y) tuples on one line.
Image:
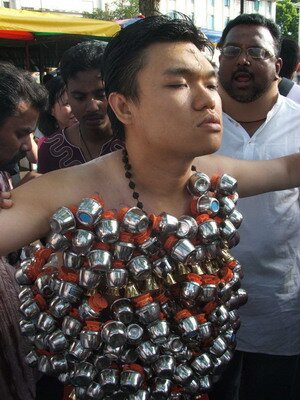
[(131, 184)]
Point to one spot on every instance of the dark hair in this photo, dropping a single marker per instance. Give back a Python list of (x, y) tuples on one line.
[(83, 56), (290, 55), (47, 122), (254, 19), (17, 85), (125, 54)]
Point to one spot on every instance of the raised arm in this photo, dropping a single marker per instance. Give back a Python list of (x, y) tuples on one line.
[(34, 203), (255, 177)]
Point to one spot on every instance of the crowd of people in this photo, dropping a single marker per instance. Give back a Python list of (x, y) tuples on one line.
[(133, 121)]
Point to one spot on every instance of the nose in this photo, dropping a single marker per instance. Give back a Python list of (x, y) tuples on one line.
[(243, 58), (26, 144), (204, 98), (94, 105)]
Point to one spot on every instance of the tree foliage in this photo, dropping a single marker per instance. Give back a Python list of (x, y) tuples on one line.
[(121, 9), (287, 18)]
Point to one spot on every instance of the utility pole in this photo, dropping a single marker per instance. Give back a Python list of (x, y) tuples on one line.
[(242, 6)]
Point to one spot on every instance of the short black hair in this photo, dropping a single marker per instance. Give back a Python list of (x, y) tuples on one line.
[(47, 122), (290, 55), (254, 19), (125, 54), (83, 56), (17, 85)]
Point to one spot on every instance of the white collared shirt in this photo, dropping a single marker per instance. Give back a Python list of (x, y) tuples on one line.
[(269, 249)]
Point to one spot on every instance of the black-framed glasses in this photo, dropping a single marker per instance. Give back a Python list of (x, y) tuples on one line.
[(257, 53)]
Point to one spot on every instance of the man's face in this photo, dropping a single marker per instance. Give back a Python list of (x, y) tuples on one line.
[(87, 100), (15, 131), (245, 79), (178, 108)]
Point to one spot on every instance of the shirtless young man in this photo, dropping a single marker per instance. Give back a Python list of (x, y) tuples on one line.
[(163, 97)]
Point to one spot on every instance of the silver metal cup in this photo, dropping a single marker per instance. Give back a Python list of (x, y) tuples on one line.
[(226, 185), (183, 250), (94, 391), (165, 366), (71, 326), (89, 211), (62, 221), (148, 313), (161, 388), (77, 352), (109, 380), (107, 230), (148, 352), (158, 331), (183, 374), (82, 241), (123, 250), (117, 277), (57, 241), (71, 259), (27, 328), (131, 381), (134, 333), (59, 307), (168, 224), (84, 373), (44, 364), (46, 323), (114, 333), (139, 267), (99, 260), (59, 363), (89, 279), (163, 266), (90, 339), (32, 359), (135, 220), (202, 364), (199, 184), (187, 227), (218, 346), (70, 291), (57, 341), (208, 231), (207, 205), (122, 310)]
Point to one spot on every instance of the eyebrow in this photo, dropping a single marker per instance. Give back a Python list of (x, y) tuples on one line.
[(175, 71)]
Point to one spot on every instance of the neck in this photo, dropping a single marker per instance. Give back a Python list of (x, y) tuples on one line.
[(160, 184), (95, 136), (254, 111)]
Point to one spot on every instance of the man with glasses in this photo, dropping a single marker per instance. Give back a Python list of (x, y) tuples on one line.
[(261, 124)]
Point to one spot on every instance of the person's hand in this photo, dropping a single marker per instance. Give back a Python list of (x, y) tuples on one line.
[(5, 199), (30, 175)]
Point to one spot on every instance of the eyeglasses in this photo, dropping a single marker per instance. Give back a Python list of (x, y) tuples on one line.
[(257, 53)]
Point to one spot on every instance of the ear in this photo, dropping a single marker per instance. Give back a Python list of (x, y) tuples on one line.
[(278, 66), (121, 107)]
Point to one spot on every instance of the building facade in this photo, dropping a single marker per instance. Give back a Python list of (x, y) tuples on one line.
[(212, 15)]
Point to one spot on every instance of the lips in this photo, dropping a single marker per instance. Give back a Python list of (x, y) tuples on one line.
[(210, 119), (242, 76)]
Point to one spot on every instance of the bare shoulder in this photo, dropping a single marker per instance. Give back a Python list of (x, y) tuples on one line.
[(216, 164)]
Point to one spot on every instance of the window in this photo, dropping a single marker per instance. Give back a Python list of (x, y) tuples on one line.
[(227, 19), (212, 3), (211, 22), (256, 5), (270, 7), (227, 3), (6, 4)]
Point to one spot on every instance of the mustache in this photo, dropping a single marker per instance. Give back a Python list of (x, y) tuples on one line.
[(242, 70)]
